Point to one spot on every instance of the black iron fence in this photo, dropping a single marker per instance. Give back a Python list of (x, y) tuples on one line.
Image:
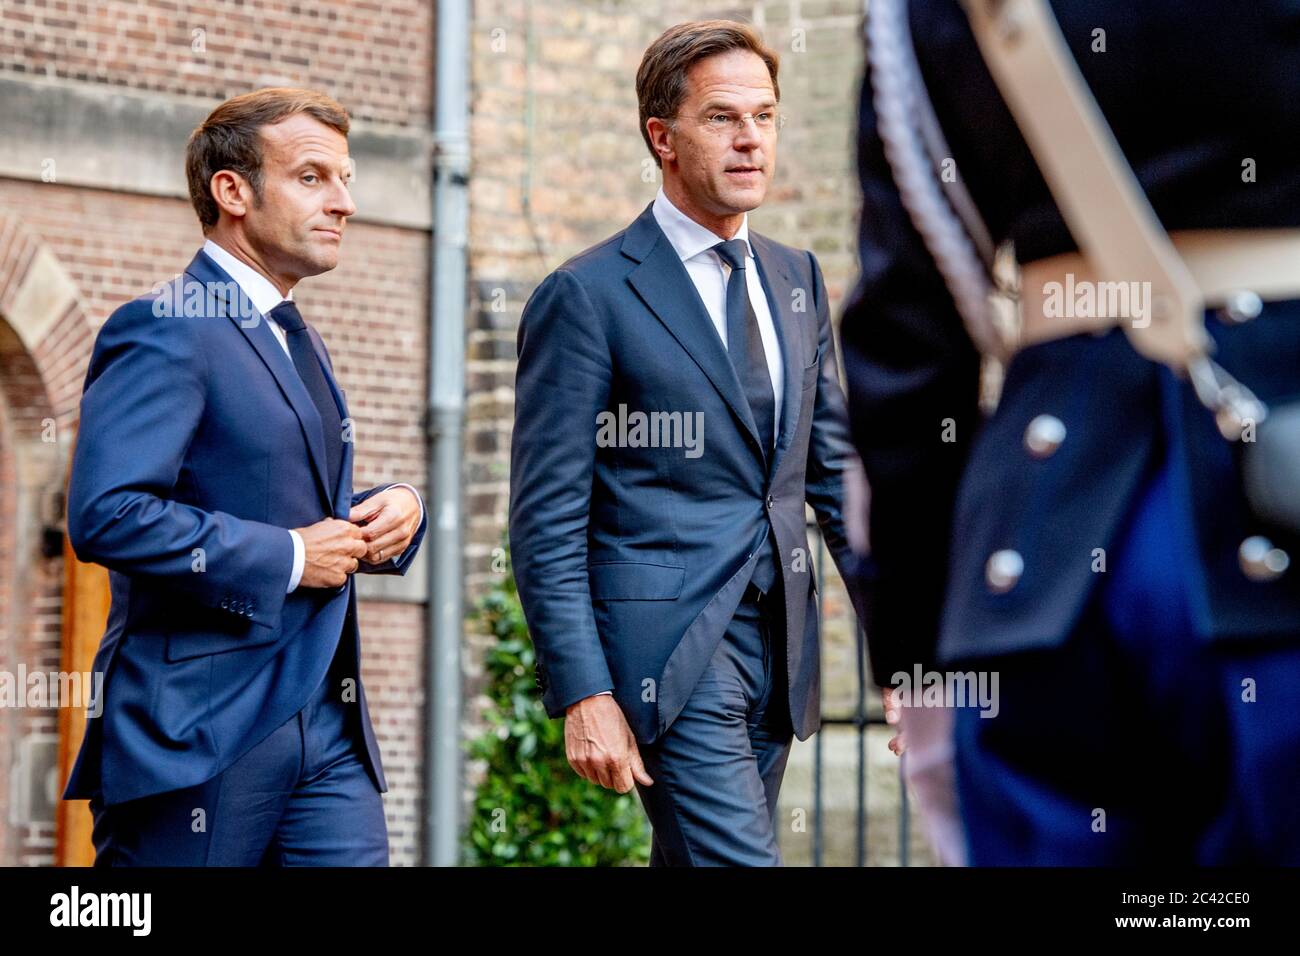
[(860, 719)]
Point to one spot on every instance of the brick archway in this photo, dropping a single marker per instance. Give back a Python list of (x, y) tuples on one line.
[(51, 607)]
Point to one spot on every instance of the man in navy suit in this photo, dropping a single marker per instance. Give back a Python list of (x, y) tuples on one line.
[(213, 478), (676, 406)]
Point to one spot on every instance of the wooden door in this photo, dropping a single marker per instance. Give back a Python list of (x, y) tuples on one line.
[(85, 612)]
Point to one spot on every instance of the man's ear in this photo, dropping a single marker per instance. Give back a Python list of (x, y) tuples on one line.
[(231, 192), (661, 139)]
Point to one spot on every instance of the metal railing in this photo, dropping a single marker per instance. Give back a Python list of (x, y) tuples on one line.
[(860, 719)]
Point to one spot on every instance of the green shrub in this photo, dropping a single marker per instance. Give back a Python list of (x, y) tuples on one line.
[(532, 809)]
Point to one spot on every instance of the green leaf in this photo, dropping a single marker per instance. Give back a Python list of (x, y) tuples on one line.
[(556, 817)]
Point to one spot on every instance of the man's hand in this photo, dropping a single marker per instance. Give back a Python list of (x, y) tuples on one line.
[(893, 714), (332, 549), (600, 745), (388, 522)]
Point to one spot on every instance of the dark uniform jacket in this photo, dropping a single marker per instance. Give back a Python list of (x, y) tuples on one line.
[(1203, 100)]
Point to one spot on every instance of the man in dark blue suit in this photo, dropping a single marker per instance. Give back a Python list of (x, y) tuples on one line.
[(676, 407), (213, 478)]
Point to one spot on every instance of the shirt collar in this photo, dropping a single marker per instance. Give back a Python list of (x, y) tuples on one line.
[(688, 237), (260, 290)]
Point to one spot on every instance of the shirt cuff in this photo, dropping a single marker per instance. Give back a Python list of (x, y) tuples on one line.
[(402, 484), (604, 693), (299, 560)]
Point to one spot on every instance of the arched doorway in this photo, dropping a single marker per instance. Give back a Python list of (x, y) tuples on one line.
[(52, 608)]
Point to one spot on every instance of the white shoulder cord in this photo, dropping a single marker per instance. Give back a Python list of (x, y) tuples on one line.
[(915, 149)]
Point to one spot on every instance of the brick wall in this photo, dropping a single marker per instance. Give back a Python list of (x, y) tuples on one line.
[(7, 731), (372, 56), (31, 584)]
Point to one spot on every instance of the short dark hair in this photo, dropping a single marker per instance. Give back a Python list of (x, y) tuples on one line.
[(661, 77), (230, 138)]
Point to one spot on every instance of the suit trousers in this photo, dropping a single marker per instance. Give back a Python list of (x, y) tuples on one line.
[(1139, 741), (301, 797), (718, 767)]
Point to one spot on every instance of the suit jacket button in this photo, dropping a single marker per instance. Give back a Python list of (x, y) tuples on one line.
[(1044, 435), (1003, 570), (770, 502), (225, 604), (1260, 561)]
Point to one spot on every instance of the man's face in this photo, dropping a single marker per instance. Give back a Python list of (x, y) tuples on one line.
[(297, 226), (726, 168)]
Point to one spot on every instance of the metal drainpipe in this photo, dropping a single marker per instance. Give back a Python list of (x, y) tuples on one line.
[(445, 422)]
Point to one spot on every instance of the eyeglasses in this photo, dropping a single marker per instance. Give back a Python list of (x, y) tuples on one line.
[(723, 121)]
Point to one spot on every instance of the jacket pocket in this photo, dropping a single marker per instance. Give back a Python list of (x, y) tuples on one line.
[(634, 581), (183, 645)]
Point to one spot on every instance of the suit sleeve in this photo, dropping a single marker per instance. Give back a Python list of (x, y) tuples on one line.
[(829, 450), (142, 404), (911, 368), (398, 563), (562, 383)]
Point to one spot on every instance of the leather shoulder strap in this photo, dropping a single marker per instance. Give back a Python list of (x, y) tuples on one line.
[(1092, 183)]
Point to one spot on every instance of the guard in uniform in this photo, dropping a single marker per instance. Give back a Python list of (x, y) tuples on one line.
[(1091, 541)]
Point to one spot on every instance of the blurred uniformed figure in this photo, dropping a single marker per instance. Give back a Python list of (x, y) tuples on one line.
[(1090, 541)]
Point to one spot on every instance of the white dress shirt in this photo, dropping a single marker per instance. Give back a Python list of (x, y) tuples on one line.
[(692, 243), (262, 292)]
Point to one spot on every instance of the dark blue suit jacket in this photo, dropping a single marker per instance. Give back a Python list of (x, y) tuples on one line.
[(630, 561), (198, 447)]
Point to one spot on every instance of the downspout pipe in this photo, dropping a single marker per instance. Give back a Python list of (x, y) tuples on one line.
[(445, 427)]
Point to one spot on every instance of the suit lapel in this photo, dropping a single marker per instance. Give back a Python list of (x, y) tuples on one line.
[(255, 328), (779, 286)]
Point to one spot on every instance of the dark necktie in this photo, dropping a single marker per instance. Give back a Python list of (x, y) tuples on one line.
[(286, 316), (745, 344)]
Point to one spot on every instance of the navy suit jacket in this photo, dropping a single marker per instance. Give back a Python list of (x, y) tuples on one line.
[(630, 561), (198, 447)]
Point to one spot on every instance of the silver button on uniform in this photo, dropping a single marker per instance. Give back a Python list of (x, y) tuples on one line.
[(1044, 435), (1241, 307), (1003, 570), (1260, 561)]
